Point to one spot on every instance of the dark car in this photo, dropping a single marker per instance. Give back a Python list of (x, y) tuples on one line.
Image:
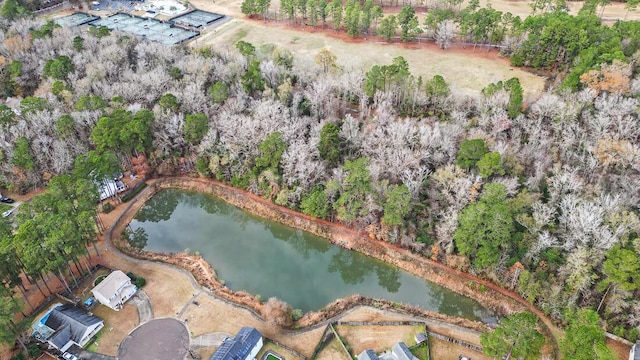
[(6, 200)]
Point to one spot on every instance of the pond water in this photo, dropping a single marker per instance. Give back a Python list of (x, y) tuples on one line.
[(270, 259)]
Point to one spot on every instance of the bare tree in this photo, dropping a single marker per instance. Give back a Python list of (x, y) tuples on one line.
[(445, 33), (277, 312)]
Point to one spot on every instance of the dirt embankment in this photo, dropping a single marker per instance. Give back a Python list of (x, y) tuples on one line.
[(348, 238), (500, 300)]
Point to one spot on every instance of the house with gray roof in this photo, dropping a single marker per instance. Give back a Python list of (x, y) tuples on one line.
[(67, 325), (114, 290), (399, 351), (402, 352), (244, 346), (368, 355)]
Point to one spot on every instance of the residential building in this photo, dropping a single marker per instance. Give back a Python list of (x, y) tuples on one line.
[(368, 355), (66, 325), (114, 290), (399, 351), (109, 188), (244, 346)]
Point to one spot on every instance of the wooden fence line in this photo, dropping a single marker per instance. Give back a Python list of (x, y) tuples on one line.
[(344, 347), (327, 337)]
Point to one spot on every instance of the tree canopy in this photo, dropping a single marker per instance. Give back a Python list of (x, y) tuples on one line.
[(516, 336)]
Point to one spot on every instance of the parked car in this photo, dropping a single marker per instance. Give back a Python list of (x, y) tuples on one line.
[(7, 213), (6, 200), (69, 356)]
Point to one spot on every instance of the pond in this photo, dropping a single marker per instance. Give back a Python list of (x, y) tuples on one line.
[(269, 259)]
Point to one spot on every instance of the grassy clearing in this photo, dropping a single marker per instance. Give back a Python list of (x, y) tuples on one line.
[(454, 65), (467, 71), (421, 352), (4, 207), (377, 337)]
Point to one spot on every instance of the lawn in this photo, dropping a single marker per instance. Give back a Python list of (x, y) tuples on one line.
[(421, 352), (4, 207), (377, 337), (440, 349)]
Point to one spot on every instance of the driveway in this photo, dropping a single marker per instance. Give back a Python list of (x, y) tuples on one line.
[(141, 301), (209, 339), (88, 355)]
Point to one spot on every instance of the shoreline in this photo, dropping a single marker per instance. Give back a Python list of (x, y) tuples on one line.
[(489, 295)]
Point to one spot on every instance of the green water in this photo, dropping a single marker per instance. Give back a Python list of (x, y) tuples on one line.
[(270, 259)]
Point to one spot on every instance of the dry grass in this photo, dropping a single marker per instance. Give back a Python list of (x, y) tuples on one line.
[(378, 338), (440, 349), (117, 324), (521, 8), (426, 61), (216, 316), (333, 351), (168, 288), (465, 336), (286, 354), (467, 71), (205, 353)]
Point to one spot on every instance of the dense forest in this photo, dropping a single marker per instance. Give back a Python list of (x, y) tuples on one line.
[(541, 197)]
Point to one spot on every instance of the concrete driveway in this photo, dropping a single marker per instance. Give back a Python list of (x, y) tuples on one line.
[(209, 339), (142, 302)]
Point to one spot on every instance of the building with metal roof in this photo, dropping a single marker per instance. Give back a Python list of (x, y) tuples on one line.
[(66, 325), (244, 346), (368, 355)]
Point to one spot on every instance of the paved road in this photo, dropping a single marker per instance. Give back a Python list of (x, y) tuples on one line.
[(141, 301), (209, 339)]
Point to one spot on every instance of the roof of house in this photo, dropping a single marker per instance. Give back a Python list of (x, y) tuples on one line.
[(402, 352), (368, 355), (238, 347), (636, 350), (112, 284), (69, 323), (61, 336)]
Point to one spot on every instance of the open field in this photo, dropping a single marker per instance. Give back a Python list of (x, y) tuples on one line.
[(424, 60)]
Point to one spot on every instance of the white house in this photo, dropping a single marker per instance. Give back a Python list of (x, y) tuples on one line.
[(114, 290), (66, 325), (244, 346), (110, 188)]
